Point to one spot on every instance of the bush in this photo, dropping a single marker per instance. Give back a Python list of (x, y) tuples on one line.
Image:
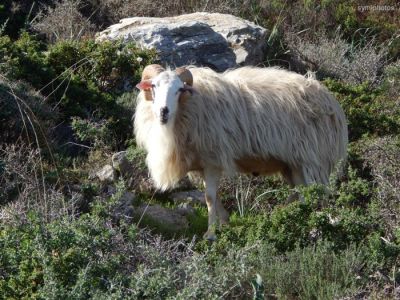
[(79, 79), (334, 57), (24, 59), (382, 156), (64, 21), (312, 272), (97, 134), (23, 113), (89, 257), (59, 259), (368, 110), (115, 10), (391, 81), (29, 183)]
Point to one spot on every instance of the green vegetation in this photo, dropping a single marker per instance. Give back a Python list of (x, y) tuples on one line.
[(66, 106), (368, 110)]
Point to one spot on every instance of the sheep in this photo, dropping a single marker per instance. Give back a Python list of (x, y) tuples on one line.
[(247, 120)]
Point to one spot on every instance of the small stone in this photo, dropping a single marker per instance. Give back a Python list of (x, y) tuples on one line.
[(110, 190), (127, 198), (193, 197), (185, 209), (168, 217), (121, 163), (106, 174), (124, 207)]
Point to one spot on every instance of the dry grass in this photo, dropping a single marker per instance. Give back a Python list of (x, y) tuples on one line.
[(23, 188), (27, 122), (334, 57), (392, 80), (115, 10), (64, 21), (383, 157)]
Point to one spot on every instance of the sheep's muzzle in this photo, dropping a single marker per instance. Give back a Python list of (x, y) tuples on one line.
[(164, 115)]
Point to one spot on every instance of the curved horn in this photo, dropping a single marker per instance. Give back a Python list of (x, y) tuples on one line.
[(185, 75), (149, 72)]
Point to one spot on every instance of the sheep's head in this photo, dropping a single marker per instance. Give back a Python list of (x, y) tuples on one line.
[(166, 89)]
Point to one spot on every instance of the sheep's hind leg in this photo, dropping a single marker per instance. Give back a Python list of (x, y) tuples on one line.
[(294, 177), (211, 180), (222, 213)]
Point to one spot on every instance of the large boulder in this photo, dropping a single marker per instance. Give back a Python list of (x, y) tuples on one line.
[(219, 41)]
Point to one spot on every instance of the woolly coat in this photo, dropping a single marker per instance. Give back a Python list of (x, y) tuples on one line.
[(258, 113)]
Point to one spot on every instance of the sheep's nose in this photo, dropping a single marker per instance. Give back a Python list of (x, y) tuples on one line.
[(164, 115)]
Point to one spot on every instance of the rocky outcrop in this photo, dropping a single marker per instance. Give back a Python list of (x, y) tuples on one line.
[(219, 41)]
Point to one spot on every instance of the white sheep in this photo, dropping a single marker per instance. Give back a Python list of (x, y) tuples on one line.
[(248, 120)]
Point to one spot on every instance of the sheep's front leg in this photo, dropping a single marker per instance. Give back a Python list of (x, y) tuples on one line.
[(211, 180)]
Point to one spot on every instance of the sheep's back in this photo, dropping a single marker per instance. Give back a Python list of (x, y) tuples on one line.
[(264, 112)]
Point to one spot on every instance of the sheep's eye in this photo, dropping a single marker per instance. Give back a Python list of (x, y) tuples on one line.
[(180, 90), (152, 91)]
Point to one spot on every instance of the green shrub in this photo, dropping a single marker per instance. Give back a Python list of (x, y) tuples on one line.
[(354, 191), (80, 79), (299, 251), (62, 258), (391, 80), (23, 113), (98, 134), (367, 110), (382, 255), (289, 226), (109, 65), (24, 59), (311, 272)]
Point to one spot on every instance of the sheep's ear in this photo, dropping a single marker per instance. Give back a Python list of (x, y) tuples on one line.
[(144, 85)]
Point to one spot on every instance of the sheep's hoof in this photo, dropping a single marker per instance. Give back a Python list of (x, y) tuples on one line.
[(210, 236)]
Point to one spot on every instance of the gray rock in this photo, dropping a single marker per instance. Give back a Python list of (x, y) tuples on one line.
[(192, 197), (121, 163), (219, 41), (168, 217), (106, 174), (127, 198), (124, 208), (110, 190), (185, 209)]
